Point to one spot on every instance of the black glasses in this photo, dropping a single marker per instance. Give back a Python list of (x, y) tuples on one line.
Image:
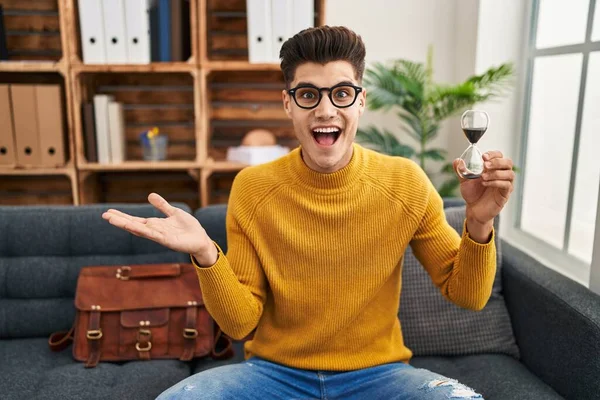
[(341, 95)]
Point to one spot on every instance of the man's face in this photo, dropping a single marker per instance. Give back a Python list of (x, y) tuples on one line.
[(326, 132)]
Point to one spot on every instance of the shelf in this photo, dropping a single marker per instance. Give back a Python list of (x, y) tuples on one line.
[(30, 66), (206, 102), (33, 171), (224, 166), (240, 66), (153, 67), (140, 166)]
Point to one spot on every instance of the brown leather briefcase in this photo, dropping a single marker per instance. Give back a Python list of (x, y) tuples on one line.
[(141, 312)]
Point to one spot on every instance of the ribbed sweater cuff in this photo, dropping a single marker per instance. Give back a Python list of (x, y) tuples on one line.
[(216, 272), (477, 253)]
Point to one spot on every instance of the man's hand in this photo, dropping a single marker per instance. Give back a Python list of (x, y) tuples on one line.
[(180, 231), (486, 196)]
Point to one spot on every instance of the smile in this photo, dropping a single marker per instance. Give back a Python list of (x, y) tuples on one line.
[(326, 136)]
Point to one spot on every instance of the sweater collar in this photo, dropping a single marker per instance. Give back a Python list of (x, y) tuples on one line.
[(335, 180)]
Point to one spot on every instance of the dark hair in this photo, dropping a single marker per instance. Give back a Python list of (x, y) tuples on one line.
[(321, 45)]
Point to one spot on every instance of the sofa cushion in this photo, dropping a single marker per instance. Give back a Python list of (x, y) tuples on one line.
[(494, 376), (42, 249), (432, 325), (212, 219), (30, 370)]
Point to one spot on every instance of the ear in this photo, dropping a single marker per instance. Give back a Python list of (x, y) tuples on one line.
[(362, 101), (287, 106)]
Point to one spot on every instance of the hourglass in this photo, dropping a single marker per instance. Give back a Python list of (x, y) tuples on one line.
[(474, 123)]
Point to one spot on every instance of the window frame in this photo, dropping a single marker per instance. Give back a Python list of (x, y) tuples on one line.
[(555, 258)]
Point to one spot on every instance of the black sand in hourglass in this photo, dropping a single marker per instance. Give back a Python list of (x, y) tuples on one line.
[(473, 135)]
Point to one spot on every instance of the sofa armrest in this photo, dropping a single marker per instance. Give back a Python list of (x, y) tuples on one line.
[(556, 322)]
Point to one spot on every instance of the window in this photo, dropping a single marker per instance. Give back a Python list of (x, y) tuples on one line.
[(561, 131)]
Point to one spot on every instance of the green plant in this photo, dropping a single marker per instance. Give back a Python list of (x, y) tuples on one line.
[(422, 106)]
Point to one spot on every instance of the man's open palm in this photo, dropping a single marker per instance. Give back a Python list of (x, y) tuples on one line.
[(179, 231)]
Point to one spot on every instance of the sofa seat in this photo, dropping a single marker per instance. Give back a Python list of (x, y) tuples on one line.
[(494, 376), (29, 370)]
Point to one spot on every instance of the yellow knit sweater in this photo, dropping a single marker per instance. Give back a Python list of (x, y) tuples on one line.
[(314, 260)]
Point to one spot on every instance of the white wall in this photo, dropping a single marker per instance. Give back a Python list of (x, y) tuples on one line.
[(393, 29)]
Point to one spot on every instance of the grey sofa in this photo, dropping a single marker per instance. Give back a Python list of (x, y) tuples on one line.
[(556, 322)]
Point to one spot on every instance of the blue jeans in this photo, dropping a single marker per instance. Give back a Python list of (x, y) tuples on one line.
[(257, 378)]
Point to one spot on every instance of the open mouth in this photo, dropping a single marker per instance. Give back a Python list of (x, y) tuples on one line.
[(326, 136)]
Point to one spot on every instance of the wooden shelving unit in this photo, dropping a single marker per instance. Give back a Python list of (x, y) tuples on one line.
[(205, 104), (39, 55)]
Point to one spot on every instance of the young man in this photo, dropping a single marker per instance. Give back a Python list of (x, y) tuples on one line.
[(316, 242)]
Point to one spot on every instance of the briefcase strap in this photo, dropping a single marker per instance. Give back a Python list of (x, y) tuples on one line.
[(144, 343), (190, 333), (59, 341), (94, 336)]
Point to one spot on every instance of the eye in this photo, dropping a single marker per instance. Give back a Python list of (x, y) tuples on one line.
[(342, 93), (308, 95)]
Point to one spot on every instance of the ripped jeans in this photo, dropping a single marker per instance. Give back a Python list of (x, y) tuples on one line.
[(260, 379)]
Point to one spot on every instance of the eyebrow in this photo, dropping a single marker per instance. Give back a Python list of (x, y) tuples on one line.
[(312, 84)]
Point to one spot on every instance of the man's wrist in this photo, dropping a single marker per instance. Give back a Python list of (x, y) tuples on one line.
[(480, 232), (208, 258)]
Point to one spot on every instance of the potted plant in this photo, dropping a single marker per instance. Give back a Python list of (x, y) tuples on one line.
[(422, 106)]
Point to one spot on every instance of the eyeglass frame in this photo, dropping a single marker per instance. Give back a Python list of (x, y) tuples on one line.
[(357, 90)]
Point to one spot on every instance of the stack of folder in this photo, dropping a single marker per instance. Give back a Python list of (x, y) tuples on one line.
[(104, 130), (32, 125), (272, 22), (134, 31)]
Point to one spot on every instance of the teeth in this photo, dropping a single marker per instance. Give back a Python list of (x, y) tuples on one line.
[(326, 130)]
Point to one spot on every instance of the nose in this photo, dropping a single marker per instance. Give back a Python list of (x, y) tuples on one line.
[(325, 109)]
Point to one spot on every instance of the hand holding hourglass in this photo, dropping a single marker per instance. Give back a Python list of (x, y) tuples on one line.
[(486, 180), (474, 123)]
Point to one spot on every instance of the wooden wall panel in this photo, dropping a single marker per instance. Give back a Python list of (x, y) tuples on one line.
[(134, 187), (31, 190), (219, 187), (32, 29)]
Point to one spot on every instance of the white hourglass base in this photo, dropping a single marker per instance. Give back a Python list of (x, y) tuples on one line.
[(471, 165)]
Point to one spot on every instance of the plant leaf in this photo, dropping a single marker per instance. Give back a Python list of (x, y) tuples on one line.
[(385, 91), (384, 142), (447, 168), (434, 154), (372, 138), (403, 150), (411, 124)]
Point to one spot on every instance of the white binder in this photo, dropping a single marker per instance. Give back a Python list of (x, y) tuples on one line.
[(114, 31), (137, 26), (116, 127), (102, 127), (259, 31), (303, 15), (92, 31), (281, 23)]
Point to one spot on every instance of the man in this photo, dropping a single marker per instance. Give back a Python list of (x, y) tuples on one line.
[(316, 240)]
